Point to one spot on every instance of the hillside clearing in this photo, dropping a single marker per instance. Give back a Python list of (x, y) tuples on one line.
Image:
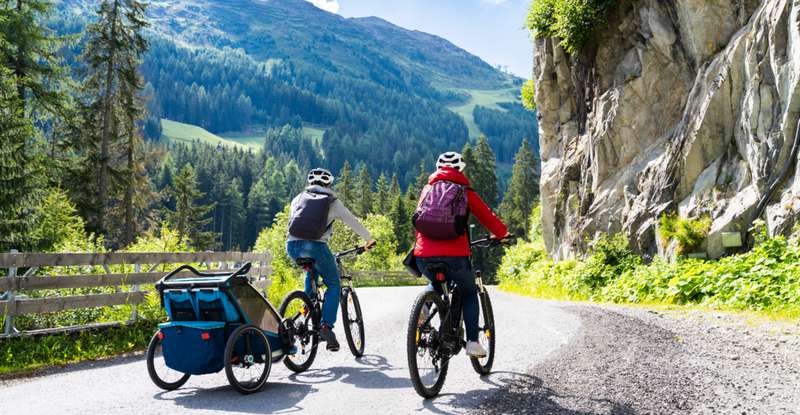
[(187, 133), (486, 98)]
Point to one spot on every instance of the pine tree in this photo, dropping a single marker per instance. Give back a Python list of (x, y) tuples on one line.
[(422, 179), (523, 191), (364, 188), (394, 188), (113, 51), (138, 194), (345, 186), (30, 51), (482, 174), (32, 82), (190, 219), (15, 186), (381, 202), (401, 223)]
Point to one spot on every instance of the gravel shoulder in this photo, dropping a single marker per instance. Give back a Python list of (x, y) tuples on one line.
[(631, 361)]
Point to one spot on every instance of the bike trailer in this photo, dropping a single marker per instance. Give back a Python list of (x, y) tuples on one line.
[(202, 319)]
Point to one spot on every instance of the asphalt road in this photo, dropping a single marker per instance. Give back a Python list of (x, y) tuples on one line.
[(527, 333)]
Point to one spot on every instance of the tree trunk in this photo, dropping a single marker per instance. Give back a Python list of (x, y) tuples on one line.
[(19, 69), (130, 225), (105, 135)]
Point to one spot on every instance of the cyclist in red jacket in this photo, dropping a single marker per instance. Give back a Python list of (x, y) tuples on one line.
[(456, 252)]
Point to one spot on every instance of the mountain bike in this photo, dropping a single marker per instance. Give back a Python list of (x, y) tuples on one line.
[(436, 329), (307, 314)]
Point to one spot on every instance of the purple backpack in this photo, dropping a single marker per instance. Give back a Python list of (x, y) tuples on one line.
[(442, 213)]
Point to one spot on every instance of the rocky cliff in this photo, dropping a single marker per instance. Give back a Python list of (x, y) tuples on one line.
[(686, 106)]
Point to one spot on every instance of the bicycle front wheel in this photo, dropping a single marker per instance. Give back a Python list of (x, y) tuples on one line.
[(353, 321), (486, 335), (427, 364)]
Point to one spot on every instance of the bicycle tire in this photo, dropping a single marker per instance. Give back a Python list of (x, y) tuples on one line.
[(356, 349), (314, 335), (230, 349), (488, 329), (412, 349)]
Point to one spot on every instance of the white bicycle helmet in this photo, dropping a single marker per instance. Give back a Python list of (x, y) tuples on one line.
[(451, 159), (320, 177)]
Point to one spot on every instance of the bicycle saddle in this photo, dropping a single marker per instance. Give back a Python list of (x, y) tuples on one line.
[(304, 261)]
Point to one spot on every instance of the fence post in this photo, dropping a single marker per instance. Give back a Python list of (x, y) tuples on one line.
[(9, 323), (135, 311)]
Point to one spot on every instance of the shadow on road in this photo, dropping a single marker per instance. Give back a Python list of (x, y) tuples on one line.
[(528, 392), (372, 373), (276, 398)]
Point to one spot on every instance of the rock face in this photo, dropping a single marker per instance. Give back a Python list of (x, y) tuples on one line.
[(686, 106)]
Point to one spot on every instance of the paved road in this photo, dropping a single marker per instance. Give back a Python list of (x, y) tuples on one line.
[(528, 331)]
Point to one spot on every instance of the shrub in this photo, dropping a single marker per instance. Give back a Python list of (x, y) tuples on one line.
[(688, 233), (609, 258), (764, 279), (528, 93), (572, 21)]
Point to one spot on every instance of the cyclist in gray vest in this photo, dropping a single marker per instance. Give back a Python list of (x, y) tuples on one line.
[(310, 226)]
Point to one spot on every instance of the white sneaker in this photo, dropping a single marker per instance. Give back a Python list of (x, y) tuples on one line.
[(474, 349)]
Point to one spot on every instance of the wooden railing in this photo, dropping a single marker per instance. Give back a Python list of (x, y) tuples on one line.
[(23, 267)]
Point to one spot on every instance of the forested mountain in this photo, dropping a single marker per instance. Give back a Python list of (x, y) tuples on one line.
[(379, 91), (81, 83)]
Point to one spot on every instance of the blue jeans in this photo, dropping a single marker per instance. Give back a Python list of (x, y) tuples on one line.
[(459, 269), (325, 265)]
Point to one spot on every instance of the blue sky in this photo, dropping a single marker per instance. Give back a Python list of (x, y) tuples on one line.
[(491, 29)]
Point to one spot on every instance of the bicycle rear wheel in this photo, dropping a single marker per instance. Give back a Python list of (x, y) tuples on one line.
[(297, 309), (427, 364), (353, 321), (486, 335)]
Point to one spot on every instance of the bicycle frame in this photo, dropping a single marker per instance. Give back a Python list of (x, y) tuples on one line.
[(346, 279)]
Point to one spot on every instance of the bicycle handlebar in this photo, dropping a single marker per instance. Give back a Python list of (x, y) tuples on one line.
[(490, 242), (357, 251)]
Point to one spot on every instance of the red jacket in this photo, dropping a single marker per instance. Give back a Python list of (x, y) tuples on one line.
[(426, 247)]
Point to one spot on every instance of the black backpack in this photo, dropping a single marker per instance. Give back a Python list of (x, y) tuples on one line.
[(309, 218)]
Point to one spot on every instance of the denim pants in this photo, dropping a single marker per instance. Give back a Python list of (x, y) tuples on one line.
[(325, 265), (459, 269)]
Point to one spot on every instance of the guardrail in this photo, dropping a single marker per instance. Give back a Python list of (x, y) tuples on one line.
[(22, 269)]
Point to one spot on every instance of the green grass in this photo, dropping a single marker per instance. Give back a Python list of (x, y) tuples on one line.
[(485, 98), (187, 133), (250, 139), (315, 133), (25, 354), (254, 138)]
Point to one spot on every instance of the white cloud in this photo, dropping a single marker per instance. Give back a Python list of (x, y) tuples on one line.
[(333, 5), (495, 2)]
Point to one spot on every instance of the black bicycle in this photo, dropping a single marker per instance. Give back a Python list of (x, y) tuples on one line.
[(436, 329), (307, 314)]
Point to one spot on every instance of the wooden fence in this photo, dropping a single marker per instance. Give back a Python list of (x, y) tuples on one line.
[(23, 267)]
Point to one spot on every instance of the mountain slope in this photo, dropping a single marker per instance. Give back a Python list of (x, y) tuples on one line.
[(383, 95), (298, 31)]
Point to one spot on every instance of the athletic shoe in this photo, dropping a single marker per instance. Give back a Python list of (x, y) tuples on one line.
[(328, 336), (474, 349)]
